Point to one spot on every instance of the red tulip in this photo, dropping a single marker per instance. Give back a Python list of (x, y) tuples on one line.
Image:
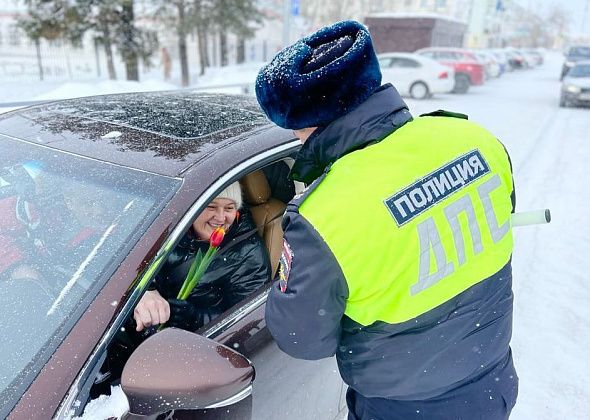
[(217, 237)]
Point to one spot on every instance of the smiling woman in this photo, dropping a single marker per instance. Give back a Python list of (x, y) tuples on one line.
[(242, 267), (221, 212)]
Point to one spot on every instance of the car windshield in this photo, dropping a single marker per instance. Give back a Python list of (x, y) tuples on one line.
[(66, 222), (580, 51), (579, 71)]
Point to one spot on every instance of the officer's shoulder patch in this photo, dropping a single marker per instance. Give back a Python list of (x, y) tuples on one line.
[(285, 265), (443, 113)]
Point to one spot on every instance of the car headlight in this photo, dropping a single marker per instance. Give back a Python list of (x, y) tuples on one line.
[(569, 63), (572, 88)]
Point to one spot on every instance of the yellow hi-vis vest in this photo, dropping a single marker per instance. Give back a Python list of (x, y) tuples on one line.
[(417, 218)]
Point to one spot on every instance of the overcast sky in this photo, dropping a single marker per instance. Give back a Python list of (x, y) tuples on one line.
[(575, 8)]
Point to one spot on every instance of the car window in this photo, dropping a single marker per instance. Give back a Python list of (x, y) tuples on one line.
[(265, 193), (580, 71), (405, 63), (430, 54), (479, 58), (448, 55), (385, 62), (66, 222), (580, 51)]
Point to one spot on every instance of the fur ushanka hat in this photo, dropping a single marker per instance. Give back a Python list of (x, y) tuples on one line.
[(319, 78)]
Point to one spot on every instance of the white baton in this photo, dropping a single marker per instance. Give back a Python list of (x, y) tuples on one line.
[(533, 217)]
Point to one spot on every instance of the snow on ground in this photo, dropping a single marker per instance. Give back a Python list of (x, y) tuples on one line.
[(231, 79), (550, 154), (79, 89), (106, 407)]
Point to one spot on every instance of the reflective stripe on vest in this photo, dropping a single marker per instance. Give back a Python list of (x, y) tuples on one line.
[(417, 218)]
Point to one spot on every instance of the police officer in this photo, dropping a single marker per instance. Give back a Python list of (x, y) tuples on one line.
[(397, 257)]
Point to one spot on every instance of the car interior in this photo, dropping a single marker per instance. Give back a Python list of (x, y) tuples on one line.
[(266, 211)]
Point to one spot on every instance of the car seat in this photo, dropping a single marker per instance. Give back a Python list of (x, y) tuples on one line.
[(267, 213)]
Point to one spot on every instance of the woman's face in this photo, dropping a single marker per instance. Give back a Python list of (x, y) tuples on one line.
[(220, 212)]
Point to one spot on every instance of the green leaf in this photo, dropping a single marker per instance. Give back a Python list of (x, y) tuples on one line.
[(193, 280), (191, 272)]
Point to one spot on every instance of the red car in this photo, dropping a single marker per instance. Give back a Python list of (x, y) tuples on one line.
[(95, 193), (469, 70)]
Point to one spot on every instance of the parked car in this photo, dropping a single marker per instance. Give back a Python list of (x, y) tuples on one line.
[(502, 60), (536, 54), (94, 194), (575, 87), (529, 59), (415, 75), (468, 69), (573, 55), (515, 59), (491, 66)]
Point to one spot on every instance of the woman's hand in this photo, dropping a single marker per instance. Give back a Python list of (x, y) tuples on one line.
[(152, 309)]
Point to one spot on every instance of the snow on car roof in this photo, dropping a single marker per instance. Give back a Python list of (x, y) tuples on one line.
[(174, 114)]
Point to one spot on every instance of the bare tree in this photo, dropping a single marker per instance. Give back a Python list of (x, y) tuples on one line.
[(179, 14), (237, 17), (113, 24), (50, 21)]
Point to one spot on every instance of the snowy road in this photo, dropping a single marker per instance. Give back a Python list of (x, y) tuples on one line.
[(550, 150)]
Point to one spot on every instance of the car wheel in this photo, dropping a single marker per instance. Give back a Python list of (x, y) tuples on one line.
[(419, 90), (462, 83)]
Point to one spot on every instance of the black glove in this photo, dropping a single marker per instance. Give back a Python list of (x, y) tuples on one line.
[(184, 314)]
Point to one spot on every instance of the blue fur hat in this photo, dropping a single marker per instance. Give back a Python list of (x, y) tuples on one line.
[(319, 78)]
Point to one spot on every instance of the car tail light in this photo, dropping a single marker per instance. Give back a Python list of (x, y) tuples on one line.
[(443, 75)]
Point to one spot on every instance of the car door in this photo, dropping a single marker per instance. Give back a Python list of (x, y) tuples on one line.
[(398, 75), (284, 387)]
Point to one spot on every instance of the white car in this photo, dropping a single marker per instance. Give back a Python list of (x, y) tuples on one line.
[(415, 75), (575, 88), (492, 67)]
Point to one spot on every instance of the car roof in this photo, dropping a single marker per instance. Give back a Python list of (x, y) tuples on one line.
[(413, 56), (455, 49), (159, 132), (581, 46)]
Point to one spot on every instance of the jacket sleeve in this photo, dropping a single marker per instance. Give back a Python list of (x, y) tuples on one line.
[(252, 272), (306, 304)]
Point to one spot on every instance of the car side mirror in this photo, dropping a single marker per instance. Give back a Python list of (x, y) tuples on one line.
[(178, 370)]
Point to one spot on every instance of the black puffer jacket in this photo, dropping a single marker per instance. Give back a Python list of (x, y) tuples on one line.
[(240, 267)]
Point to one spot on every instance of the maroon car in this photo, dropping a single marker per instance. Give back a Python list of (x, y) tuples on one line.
[(469, 70), (94, 194)]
